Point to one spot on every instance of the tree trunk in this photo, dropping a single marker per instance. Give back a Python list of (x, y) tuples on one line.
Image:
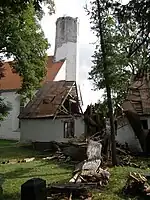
[(108, 89)]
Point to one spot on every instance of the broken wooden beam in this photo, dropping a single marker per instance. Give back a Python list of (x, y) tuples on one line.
[(76, 189)]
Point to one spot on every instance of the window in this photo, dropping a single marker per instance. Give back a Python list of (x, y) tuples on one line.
[(68, 129), (144, 124)]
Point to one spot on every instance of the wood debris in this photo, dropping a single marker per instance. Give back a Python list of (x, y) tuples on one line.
[(69, 191), (90, 170), (136, 185), (88, 174), (15, 161)]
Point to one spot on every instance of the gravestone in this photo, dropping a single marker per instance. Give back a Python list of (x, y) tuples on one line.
[(34, 189)]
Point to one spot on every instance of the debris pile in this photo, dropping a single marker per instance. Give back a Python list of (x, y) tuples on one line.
[(88, 174), (136, 185), (69, 191), (90, 170), (15, 161)]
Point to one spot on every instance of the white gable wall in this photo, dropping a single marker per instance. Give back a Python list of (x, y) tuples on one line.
[(45, 130), (79, 127), (125, 134), (70, 55), (9, 128), (61, 73)]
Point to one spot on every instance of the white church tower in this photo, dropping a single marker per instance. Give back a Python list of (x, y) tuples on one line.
[(66, 45)]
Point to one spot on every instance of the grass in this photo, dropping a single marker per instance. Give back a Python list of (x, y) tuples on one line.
[(16, 174), (9, 150), (113, 191)]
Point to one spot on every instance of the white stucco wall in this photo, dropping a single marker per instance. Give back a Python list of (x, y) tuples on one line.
[(9, 128), (45, 130), (66, 45), (68, 51), (61, 75), (79, 127), (125, 134)]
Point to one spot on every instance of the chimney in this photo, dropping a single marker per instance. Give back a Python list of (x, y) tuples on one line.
[(66, 45)]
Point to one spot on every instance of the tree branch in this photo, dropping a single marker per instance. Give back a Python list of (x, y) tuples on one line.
[(135, 50)]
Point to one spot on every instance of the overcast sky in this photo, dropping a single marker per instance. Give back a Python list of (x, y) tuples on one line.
[(75, 8)]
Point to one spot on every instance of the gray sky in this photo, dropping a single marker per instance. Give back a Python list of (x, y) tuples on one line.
[(75, 8)]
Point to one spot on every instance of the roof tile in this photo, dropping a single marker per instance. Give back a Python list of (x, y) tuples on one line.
[(12, 80)]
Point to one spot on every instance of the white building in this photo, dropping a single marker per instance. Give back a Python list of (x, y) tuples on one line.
[(61, 66), (134, 125), (53, 115)]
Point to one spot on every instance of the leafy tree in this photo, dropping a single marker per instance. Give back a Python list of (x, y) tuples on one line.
[(118, 65), (139, 12), (104, 58), (5, 107), (22, 39), (18, 6), (119, 37)]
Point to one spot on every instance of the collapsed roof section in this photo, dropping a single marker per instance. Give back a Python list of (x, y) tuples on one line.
[(54, 99), (138, 98)]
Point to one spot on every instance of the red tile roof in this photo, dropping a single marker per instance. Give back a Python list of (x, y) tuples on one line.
[(12, 80)]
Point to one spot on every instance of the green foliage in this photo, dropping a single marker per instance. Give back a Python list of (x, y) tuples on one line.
[(18, 6), (116, 60), (15, 175), (139, 12), (23, 39), (101, 109), (119, 39), (5, 107)]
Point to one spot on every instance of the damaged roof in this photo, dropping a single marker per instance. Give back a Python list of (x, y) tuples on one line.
[(138, 97), (10, 80), (55, 98)]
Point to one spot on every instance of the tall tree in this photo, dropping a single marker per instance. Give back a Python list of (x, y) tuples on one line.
[(101, 20), (120, 36), (22, 39)]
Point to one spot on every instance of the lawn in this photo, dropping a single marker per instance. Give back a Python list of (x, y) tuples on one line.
[(15, 175)]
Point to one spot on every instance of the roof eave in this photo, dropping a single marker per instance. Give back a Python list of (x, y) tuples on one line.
[(52, 116)]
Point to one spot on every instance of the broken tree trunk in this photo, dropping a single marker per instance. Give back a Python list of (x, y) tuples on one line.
[(107, 84)]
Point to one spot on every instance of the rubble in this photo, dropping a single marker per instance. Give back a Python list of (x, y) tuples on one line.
[(76, 152), (88, 174), (136, 185), (70, 191), (90, 170), (15, 161)]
